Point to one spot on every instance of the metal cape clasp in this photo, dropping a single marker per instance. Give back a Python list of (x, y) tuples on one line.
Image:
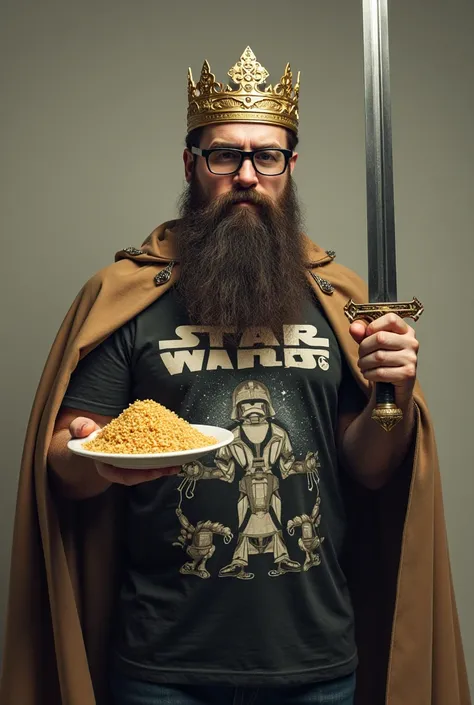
[(165, 275), (325, 286)]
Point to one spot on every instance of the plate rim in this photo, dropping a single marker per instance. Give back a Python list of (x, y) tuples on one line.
[(148, 456)]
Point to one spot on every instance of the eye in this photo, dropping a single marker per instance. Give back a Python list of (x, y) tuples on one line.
[(223, 156), (268, 156)]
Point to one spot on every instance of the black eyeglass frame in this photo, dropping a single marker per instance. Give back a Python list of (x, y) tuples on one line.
[(206, 153)]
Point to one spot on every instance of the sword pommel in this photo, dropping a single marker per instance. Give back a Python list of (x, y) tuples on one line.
[(387, 415)]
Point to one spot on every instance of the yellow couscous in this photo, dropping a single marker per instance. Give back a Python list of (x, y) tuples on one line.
[(148, 427)]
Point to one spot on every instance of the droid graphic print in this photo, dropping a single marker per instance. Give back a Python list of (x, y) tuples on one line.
[(259, 459)]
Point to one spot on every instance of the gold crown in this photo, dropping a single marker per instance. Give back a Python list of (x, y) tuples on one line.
[(209, 102)]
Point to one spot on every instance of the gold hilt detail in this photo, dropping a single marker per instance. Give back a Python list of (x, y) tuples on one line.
[(386, 413)]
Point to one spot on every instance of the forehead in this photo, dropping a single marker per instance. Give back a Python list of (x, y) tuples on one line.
[(244, 135)]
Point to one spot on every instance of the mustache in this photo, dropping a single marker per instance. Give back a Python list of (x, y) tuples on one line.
[(244, 196), (221, 206)]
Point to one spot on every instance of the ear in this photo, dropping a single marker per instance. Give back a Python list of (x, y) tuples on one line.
[(292, 162), (188, 160)]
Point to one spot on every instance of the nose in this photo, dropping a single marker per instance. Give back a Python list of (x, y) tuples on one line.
[(246, 177)]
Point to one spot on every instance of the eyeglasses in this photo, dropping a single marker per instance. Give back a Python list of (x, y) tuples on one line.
[(227, 160)]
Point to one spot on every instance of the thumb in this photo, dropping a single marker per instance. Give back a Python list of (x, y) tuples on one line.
[(357, 330), (81, 427)]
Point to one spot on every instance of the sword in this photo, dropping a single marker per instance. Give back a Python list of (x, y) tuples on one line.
[(382, 268)]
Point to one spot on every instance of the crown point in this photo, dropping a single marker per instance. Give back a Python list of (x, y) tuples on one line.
[(248, 55)]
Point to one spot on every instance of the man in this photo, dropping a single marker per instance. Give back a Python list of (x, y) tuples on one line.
[(248, 335)]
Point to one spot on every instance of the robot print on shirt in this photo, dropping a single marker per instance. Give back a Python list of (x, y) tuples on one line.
[(260, 446), (310, 540), (199, 544)]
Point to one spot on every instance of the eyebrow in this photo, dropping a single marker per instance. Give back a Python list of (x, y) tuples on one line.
[(230, 145)]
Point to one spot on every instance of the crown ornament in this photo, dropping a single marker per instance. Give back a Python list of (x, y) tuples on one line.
[(210, 102)]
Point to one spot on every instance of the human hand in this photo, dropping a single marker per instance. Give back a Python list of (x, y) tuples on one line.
[(81, 427), (388, 352)]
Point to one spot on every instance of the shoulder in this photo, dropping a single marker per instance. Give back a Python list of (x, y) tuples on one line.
[(123, 281), (345, 278), (113, 296), (106, 278), (111, 273), (322, 263), (278, 430)]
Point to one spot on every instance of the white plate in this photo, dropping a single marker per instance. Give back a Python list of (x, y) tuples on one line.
[(146, 461)]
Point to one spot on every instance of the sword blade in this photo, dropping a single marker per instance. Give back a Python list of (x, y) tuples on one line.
[(382, 266)]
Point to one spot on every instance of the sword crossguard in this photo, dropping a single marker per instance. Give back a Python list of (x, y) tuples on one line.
[(404, 309), (386, 413)]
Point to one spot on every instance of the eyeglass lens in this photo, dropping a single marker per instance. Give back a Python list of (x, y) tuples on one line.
[(267, 161)]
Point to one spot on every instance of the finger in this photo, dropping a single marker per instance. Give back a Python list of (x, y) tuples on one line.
[(387, 358), (385, 340), (389, 322), (132, 476), (398, 376), (81, 427), (147, 475), (357, 329), (126, 476)]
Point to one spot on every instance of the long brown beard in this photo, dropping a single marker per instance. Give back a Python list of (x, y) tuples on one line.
[(242, 267)]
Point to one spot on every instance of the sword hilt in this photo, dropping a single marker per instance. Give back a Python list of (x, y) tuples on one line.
[(386, 413)]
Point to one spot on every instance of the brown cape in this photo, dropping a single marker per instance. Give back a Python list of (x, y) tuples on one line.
[(63, 564)]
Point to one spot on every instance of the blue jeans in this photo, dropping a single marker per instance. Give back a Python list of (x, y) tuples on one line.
[(126, 691)]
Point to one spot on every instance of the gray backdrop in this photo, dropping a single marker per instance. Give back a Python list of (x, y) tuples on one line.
[(93, 120)]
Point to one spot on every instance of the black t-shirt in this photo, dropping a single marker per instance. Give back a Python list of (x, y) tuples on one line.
[(232, 569)]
